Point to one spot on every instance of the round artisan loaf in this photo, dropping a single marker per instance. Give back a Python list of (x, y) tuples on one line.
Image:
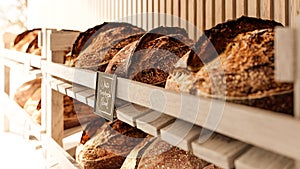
[(26, 90), (156, 53), (214, 41), (109, 148), (100, 48), (244, 73), (118, 63), (27, 42), (163, 155)]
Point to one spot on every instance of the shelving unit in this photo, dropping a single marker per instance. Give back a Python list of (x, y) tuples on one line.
[(241, 132)]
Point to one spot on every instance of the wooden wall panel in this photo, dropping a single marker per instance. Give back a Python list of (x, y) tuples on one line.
[(184, 14), (281, 11), (139, 13), (267, 9), (192, 25), (150, 10), (219, 11), (241, 8), (176, 12), (230, 9), (209, 14), (169, 12), (156, 18), (144, 14), (162, 11), (294, 11), (253, 8), (200, 17)]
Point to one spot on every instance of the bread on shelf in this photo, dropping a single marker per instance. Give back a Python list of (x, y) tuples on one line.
[(156, 53), (99, 49), (109, 148), (242, 73), (28, 96), (156, 154), (27, 42)]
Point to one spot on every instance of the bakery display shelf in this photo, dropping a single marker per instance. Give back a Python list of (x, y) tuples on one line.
[(210, 146), (241, 122), (29, 60), (20, 67)]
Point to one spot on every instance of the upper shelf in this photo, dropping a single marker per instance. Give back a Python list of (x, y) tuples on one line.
[(29, 60), (248, 124)]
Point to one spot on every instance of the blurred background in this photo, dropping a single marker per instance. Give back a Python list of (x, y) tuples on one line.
[(13, 15)]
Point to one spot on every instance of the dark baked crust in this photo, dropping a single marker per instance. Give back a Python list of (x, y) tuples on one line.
[(156, 54), (118, 63), (163, 155), (244, 73), (110, 147), (214, 41), (106, 42), (24, 92), (93, 128)]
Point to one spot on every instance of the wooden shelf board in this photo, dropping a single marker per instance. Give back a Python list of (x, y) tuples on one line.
[(259, 158), (219, 149), (153, 121), (237, 121)]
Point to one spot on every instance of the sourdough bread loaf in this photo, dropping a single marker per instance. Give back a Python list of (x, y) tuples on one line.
[(118, 63), (27, 42), (26, 90), (133, 159), (156, 53), (163, 155), (244, 73), (109, 148), (109, 39), (214, 41)]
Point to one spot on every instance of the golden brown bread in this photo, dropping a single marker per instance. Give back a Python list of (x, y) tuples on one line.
[(24, 92), (109, 148), (243, 73), (107, 41), (214, 41), (27, 42), (156, 53), (163, 155)]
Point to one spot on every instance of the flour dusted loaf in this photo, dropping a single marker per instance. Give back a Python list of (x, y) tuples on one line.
[(109, 148), (100, 48), (161, 155), (247, 74), (214, 41), (243, 72)]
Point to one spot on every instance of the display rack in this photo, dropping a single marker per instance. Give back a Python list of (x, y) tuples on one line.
[(244, 137)]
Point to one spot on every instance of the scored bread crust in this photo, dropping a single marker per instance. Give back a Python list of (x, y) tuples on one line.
[(109, 148), (105, 43), (244, 73), (214, 41)]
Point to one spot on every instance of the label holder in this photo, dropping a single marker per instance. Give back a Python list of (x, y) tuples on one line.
[(105, 95)]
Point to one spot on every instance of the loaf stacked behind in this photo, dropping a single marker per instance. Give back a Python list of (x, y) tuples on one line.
[(27, 42)]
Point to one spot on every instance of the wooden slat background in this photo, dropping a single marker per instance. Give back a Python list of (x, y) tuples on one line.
[(202, 14)]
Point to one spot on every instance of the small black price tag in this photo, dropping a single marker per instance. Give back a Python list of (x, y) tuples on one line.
[(105, 95)]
